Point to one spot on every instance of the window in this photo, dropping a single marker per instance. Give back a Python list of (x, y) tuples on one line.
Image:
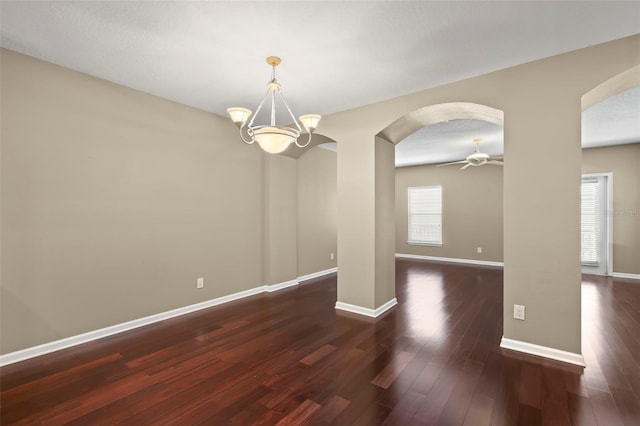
[(589, 227), (425, 215), (595, 226)]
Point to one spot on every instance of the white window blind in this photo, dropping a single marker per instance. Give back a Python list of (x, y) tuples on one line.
[(590, 221), (425, 215)]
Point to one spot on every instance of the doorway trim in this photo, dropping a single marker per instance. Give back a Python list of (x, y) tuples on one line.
[(608, 176)]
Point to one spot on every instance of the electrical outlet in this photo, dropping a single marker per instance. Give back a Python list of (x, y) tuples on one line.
[(200, 283), (331, 256), (479, 249), (518, 312)]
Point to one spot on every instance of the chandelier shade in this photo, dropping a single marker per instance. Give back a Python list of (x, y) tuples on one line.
[(274, 140), (271, 137), (310, 121), (239, 115)]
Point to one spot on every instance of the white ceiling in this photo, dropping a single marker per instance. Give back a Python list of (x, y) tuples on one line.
[(449, 141), (336, 55), (615, 120)]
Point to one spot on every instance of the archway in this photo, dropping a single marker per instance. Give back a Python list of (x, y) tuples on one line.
[(467, 223), (412, 121), (318, 139), (610, 229), (463, 223), (609, 120), (378, 294)]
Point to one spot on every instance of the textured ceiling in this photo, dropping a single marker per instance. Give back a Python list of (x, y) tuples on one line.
[(336, 55), (614, 121), (449, 141)]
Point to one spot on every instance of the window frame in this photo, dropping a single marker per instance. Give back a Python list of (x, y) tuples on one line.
[(424, 242), (605, 266)]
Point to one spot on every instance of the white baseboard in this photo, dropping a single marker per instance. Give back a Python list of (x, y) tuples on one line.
[(384, 308), (68, 342), (317, 274), (450, 260), (56, 345), (373, 313), (625, 275), (543, 351), (275, 287)]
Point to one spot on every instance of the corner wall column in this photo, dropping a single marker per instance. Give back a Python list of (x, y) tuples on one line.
[(280, 238), (542, 223), (366, 226)]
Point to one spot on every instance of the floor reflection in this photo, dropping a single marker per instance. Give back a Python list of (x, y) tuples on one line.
[(435, 297)]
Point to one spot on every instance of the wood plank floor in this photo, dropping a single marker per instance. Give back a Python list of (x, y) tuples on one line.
[(287, 358)]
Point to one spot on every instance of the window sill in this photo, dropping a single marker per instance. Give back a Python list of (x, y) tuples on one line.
[(419, 243)]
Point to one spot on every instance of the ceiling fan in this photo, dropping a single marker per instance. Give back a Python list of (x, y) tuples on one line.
[(477, 158)]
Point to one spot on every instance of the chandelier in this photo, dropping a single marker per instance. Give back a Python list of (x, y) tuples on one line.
[(271, 137)]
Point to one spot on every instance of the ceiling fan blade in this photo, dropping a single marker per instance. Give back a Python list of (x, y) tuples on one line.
[(500, 158), (450, 164), (496, 162), (464, 167)]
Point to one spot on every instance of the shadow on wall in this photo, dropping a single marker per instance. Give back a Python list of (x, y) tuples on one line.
[(317, 210), (318, 139), (31, 322)]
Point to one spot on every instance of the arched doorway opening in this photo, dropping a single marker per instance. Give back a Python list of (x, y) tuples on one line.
[(463, 224), (382, 296), (610, 141), (438, 134)]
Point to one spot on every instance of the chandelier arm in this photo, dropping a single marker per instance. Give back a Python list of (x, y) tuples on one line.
[(273, 138), (255, 114), (249, 132), (299, 145), (293, 117), (273, 107)]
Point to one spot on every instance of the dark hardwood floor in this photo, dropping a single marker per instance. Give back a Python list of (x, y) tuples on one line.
[(287, 358)]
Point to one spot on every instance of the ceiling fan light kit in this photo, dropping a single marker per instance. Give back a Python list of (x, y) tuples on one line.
[(477, 158), (271, 137)]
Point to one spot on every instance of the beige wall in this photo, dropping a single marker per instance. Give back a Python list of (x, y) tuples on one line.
[(385, 288), (280, 220), (114, 202), (471, 210), (541, 102), (317, 211), (624, 162), (356, 221), (472, 207)]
